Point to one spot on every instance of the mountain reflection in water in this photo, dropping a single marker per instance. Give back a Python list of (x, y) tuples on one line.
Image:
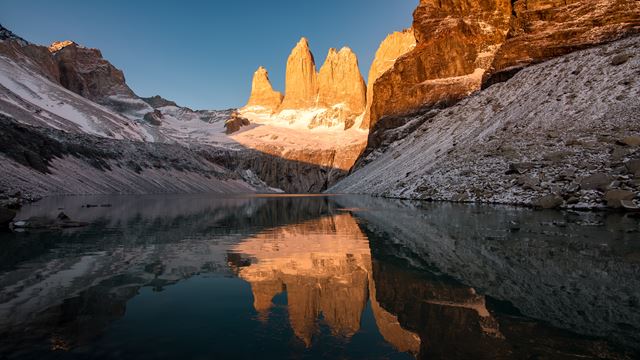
[(318, 277)]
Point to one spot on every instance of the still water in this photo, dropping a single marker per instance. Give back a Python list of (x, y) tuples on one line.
[(318, 277)]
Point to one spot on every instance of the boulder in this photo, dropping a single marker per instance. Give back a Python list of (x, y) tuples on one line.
[(614, 198), (235, 123), (631, 141), (550, 201), (597, 181), (633, 166), (154, 117)]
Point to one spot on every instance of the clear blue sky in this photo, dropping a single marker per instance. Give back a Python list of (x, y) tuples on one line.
[(202, 54)]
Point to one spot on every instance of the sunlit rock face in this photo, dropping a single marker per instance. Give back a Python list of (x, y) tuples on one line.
[(341, 86), (465, 44), (301, 82), (333, 98), (456, 41), (543, 29), (392, 47), (263, 97), (324, 265)]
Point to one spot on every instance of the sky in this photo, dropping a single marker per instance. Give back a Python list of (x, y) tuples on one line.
[(202, 54)]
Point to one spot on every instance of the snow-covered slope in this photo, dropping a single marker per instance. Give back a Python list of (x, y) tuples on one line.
[(567, 129), (27, 95)]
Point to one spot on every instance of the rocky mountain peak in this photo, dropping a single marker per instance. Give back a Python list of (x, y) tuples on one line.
[(6, 34), (341, 84), (59, 45), (392, 48), (301, 80), (262, 94)]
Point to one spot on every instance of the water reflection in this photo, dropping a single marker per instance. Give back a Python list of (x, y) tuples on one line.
[(324, 266), (318, 277)]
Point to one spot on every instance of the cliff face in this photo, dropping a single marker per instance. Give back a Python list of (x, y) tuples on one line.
[(333, 97), (543, 29), (301, 81), (456, 41), (341, 84), (462, 42), (393, 47), (85, 72), (262, 93)]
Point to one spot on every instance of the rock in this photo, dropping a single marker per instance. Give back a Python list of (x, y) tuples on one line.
[(340, 83), (631, 141), (85, 72), (262, 93), (154, 117), (528, 182), (235, 123), (392, 48), (598, 181), (573, 200), (60, 222), (301, 81), (158, 101), (615, 197), (464, 45), (550, 201), (633, 166), (620, 59), (519, 168), (544, 29), (6, 215), (629, 205), (455, 40)]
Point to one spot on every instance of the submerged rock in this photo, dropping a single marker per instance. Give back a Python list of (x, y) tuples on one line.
[(62, 221)]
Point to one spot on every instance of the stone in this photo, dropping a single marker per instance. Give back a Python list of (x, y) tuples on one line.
[(6, 215), (550, 201), (301, 79), (519, 168), (614, 197), (340, 84), (633, 166), (263, 97), (631, 141), (234, 123), (597, 181), (620, 59), (392, 48), (154, 117)]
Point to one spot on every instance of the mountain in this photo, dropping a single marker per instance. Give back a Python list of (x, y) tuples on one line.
[(461, 44), (333, 97), (563, 133), (263, 97), (391, 49)]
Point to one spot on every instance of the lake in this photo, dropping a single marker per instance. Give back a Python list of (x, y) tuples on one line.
[(318, 277)]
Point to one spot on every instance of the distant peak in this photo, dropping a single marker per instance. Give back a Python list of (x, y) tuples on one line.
[(303, 42), (59, 45)]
